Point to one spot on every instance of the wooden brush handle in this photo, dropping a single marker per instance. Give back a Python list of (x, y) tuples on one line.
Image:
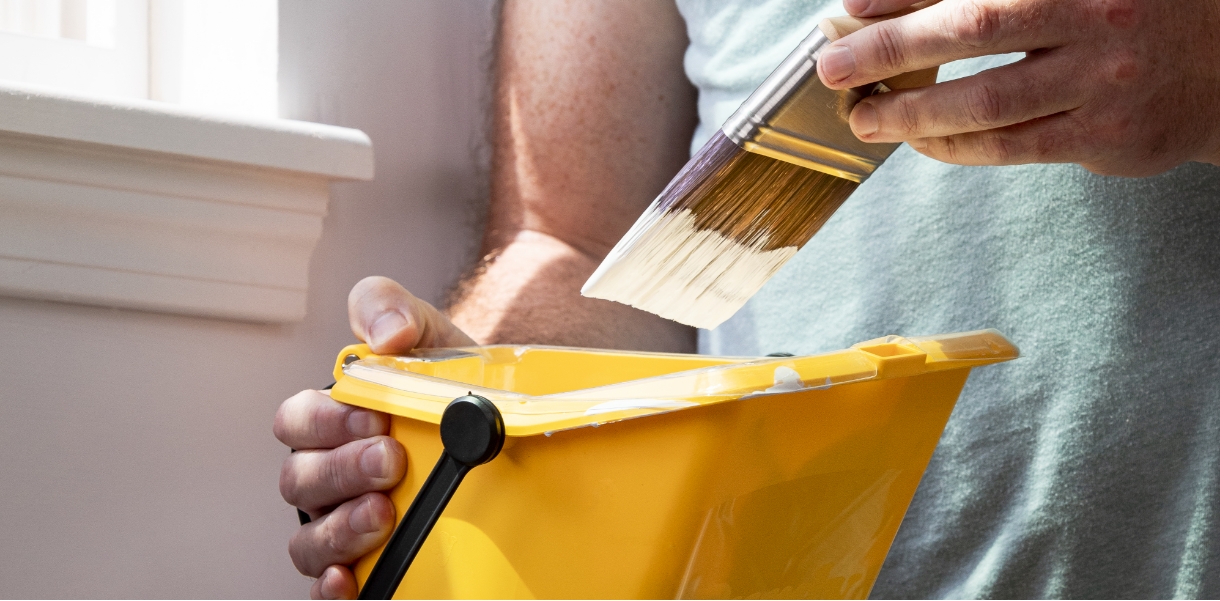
[(838, 27)]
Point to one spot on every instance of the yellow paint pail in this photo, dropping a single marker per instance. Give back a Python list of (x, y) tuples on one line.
[(645, 475)]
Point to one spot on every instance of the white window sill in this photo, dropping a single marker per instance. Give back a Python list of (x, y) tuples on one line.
[(144, 205)]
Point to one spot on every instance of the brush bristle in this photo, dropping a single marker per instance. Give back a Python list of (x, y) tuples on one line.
[(725, 224)]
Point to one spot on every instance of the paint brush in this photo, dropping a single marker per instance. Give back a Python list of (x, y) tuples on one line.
[(755, 193)]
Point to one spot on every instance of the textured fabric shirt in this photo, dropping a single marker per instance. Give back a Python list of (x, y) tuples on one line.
[(1090, 466)]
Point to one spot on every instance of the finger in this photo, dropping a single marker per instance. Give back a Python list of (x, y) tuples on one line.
[(343, 535), (1034, 87), (1069, 137), (942, 33), (392, 320), (1054, 139), (336, 582), (876, 8), (315, 480), (313, 420), (838, 27)]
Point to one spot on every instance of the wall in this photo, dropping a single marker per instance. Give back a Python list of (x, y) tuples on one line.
[(136, 455)]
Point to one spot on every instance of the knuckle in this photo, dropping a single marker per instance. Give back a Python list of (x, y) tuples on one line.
[(998, 148), (934, 148), (1105, 129), (347, 477), (307, 420), (1073, 136), (302, 552), (949, 149), (322, 421), (284, 417), (316, 422), (909, 121), (340, 472), (1119, 14), (1122, 66), (984, 106), (289, 483), (343, 543), (1047, 145), (975, 24), (891, 52), (336, 539), (279, 427)]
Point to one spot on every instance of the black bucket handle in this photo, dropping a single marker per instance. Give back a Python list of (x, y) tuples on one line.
[(472, 431)]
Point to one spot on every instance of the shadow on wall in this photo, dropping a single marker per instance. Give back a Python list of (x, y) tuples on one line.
[(431, 114)]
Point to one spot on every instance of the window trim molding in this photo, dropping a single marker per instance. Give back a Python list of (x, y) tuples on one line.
[(143, 205)]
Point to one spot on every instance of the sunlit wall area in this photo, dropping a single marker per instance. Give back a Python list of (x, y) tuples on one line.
[(89, 21), (84, 46), (216, 55), (210, 55)]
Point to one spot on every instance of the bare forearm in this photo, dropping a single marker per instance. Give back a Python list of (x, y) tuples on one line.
[(593, 115), (530, 293)]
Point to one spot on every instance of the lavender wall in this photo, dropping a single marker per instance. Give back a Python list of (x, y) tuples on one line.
[(136, 456)]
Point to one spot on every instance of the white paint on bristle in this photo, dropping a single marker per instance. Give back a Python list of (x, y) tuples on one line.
[(666, 266)]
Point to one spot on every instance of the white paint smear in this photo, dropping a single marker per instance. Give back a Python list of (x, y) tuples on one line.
[(626, 404), (786, 380)]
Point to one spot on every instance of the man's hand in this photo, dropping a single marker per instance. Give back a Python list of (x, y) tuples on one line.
[(344, 458), (1122, 87)]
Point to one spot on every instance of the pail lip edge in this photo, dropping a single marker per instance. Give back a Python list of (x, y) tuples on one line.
[(380, 386)]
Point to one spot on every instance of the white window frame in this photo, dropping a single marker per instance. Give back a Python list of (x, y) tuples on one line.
[(217, 55), (144, 205)]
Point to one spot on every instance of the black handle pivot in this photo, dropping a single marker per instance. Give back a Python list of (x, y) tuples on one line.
[(472, 431)]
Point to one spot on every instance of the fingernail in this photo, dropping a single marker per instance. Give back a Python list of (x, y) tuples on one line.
[(386, 327), (837, 63), (363, 519), (856, 7), (863, 120), (363, 424), (375, 460), (918, 144)]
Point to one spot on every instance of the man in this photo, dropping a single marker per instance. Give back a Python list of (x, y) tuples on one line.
[(1088, 468)]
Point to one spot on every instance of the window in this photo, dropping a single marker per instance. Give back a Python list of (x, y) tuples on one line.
[(90, 46), (111, 198), (216, 55)]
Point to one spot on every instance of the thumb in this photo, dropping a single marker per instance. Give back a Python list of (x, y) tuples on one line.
[(391, 320)]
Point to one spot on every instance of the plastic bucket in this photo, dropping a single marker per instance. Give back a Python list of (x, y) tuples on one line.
[(641, 475)]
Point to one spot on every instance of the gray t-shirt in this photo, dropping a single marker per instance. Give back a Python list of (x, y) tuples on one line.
[(1089, 467)]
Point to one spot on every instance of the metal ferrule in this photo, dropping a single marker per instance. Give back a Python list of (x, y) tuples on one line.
[(793, 117)]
